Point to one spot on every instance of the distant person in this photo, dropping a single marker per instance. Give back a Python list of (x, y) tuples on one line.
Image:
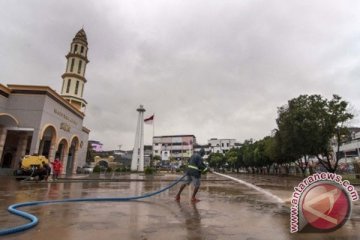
[(193, 173), (56, 168), (47, 170)]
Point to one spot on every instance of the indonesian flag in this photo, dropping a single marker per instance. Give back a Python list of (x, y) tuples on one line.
[(149, 120)]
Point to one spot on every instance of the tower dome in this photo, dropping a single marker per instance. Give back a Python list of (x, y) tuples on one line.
[(81, 36)]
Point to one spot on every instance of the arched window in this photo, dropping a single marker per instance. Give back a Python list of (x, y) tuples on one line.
[(82, 49), (82, 90), (76, 87), (68, 86), (75, 48), (79, 67), (72, 65)]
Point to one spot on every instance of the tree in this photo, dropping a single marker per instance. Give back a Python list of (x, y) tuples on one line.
[(216, 160), (233, 159), (248, 154), (265, 149), (297, 124), (155, 160), (335, 118), (307, 124)]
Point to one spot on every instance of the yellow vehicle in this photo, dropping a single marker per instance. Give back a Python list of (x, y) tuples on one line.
[(31, 165), (31, 161)]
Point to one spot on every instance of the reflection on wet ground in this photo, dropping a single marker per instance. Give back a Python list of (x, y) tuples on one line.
[(228, 210)]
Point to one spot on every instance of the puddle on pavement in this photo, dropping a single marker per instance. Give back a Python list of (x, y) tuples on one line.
[(227, 210)]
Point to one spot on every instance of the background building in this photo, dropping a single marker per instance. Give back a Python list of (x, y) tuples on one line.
[(96, 145), (350, 149), (174, 147), (222, 145)]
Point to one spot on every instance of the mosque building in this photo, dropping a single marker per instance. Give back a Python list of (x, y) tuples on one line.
[(38, 120)]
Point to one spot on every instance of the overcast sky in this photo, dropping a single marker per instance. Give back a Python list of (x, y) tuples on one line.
[(205, 67)]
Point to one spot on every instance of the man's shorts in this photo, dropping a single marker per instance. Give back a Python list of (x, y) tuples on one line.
[(194, 180)]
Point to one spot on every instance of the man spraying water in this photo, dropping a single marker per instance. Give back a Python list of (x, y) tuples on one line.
[(193, 173)]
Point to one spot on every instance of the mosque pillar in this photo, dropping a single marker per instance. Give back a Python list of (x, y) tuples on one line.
[(35, 142), (21, 149), (64, 160), (3, 133), (52, 151), (75, 158)]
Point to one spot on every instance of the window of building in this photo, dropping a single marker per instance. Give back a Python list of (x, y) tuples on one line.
[(72, 65), (68, 86), (79, 67), (222, 144), (177, 143), (227, 144), (75, 48), (82, 89), (82, 49), (76, 87), (175, 151)]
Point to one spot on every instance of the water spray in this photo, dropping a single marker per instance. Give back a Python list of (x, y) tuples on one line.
[(267, 193)]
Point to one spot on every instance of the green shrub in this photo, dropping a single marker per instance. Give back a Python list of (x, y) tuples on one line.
[(96, 169), (149, 170), (122, 169)]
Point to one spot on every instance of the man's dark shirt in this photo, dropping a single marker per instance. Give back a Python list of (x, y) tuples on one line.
[(196, 160)]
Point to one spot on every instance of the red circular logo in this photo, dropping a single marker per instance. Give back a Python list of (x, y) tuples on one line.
[(326, 206)]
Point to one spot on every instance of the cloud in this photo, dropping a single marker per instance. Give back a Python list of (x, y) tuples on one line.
[(208, 68)]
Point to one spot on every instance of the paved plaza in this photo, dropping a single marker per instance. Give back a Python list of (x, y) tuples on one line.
[(227, 210)]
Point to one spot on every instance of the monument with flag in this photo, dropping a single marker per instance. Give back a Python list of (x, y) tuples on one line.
[(137, 162)]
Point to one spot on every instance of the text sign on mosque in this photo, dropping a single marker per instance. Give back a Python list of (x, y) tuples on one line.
[(65, 127), (63, 115)]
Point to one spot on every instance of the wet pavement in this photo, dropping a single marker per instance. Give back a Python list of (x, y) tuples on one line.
[(227, 210)]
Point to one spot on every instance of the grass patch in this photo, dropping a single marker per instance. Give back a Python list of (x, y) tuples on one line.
[(352, 178)]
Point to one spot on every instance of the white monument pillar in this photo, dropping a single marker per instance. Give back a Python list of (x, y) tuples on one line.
[(137, 163)]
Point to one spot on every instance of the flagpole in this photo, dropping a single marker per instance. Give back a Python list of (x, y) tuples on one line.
[(152, 140), (153, 126)]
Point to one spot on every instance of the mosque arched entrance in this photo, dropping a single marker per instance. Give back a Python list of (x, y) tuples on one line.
[(14, 141), (62, 150), (72, 155), (47, 142)]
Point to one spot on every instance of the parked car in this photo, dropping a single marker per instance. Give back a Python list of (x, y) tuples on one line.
[(86, 169)]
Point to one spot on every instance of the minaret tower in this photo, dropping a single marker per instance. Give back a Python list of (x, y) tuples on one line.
[(74, 77), (137, 162)]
